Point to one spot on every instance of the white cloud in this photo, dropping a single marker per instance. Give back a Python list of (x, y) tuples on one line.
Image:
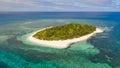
[(21, 2), (59, 5), (98, 2)]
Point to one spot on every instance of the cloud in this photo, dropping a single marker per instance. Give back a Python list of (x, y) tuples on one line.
[(21, 2), (59, 5), (98, 2)]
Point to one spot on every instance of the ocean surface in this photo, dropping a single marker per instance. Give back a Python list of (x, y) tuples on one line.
[(100, 51)]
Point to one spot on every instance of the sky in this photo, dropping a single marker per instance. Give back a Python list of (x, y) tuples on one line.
[(59, 5)]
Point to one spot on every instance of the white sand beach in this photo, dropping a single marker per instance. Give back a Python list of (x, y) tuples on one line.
[(60, 44)]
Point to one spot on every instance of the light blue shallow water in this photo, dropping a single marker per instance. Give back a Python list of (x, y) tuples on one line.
[(100, 51)]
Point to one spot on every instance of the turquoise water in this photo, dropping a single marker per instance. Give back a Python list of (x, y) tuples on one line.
[(100, 51)]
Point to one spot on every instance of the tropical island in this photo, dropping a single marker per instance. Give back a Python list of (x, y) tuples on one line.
[(64, 35), (63, 32)]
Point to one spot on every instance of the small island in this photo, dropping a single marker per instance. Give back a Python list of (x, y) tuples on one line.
[(64, 35), (64, 32)]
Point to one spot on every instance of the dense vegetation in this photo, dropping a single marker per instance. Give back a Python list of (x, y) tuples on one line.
[(63, 32)]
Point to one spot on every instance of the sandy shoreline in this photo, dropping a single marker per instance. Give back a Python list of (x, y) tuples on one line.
[(60, 44)]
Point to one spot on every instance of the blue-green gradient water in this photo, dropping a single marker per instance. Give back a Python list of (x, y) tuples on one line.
[(100, 51)]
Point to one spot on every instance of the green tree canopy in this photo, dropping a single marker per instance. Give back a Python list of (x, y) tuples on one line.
[(63, 32)]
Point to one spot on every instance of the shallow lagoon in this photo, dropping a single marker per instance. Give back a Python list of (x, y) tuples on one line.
[(100, 51)]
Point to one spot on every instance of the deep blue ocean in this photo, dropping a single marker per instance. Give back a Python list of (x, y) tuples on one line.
[(100, 51), (15, 16)]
